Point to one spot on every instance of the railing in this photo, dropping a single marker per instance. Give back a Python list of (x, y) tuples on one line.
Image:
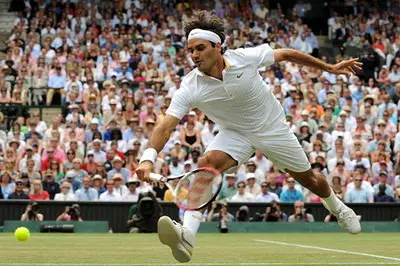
[(117, 212)]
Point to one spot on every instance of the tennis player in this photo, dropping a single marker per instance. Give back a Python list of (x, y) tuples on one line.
[(227, 87)]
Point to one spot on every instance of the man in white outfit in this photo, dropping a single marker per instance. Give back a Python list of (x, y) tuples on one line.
[(228, 88)]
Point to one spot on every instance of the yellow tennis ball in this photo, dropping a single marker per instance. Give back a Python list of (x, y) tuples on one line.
[(22, 234)]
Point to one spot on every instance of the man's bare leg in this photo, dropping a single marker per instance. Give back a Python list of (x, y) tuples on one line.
[(318, 185), (181, 239)]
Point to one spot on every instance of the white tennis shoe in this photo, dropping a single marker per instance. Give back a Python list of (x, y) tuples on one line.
[(348, 220), (177, 237)]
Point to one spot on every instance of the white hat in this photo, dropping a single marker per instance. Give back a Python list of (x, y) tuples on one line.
[(177, 142), (113, 101), (192, 113), (250, 175), (94, 121), (305, 112)]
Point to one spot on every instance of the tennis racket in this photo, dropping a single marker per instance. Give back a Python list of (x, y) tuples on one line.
[(193, 190)]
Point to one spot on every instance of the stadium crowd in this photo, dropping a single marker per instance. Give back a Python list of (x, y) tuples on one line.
[(113, 67)]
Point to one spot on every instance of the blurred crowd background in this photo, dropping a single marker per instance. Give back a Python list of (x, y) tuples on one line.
[(112, 67)]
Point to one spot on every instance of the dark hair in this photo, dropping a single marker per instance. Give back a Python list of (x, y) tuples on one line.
[(206, 22)]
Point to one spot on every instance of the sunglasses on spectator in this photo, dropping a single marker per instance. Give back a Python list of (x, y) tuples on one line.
[(241, 186), (357, 179), (264, 186)]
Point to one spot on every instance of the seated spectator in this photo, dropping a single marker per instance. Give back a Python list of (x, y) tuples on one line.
[(118, 168), (32, 212), (98, 184), (358, 194), (228, 189), (266, 196), (300, 214), (109, 194), (132, 195), (65, 194), (7, 185), (252, 186), (241, 194), (383, 175), (119, 185), (274, 213), (86, 193), (37, 192), (273, 186), (19, 191), (381, 195), (50, 185), (70, 178), (291, 194), (72, 213)]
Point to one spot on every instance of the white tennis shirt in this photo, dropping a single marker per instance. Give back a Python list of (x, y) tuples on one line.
[(242, 101)]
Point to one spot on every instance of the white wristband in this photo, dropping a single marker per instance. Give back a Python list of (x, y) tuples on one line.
[(149, 154)]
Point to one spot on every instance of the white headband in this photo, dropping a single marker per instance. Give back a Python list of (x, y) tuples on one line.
[(204, 34)]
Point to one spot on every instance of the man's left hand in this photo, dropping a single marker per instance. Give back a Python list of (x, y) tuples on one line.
[(346, 67)]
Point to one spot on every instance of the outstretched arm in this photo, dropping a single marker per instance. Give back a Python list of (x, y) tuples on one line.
[(346, 67)]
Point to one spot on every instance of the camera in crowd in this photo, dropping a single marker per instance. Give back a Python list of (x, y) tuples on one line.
[(75, 212)]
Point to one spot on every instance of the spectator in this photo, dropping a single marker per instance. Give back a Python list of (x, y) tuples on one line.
[(132, 195), (219, 211), (98, 184), (265, 195), (109, 194), (32, 212), (300, 213), (50, 185), (291, 194), (383, 182), (19, 192), (241, 194), (86, 192), (252, 187), (37, 192), (228, 189), (358, 194), (274, 213), (382, 195), (118, 169), (7, 185), (65, 194), (72, 213)]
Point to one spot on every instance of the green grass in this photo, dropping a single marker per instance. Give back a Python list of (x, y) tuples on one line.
[(212, 249)]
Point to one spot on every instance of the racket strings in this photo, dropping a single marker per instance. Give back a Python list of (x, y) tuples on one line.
[(201, 187)]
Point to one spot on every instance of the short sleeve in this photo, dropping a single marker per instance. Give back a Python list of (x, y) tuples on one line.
[(262, 55), (180, 103)]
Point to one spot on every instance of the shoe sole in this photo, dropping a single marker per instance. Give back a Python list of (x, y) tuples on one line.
[(171, 237)]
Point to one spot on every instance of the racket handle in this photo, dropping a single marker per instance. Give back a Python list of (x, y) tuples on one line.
[(156, 177)]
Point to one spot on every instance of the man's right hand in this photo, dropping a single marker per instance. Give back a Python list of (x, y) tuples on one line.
[(144, 170)]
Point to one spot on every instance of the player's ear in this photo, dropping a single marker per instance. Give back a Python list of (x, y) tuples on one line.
[(218, 47)]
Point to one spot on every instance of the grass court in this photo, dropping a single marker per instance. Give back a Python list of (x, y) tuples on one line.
[(212, 249)]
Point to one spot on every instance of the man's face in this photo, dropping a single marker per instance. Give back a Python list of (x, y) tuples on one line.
[(203, 54), (291, 183), (110, 186), (382, 179), (264, 187), (357, 182)]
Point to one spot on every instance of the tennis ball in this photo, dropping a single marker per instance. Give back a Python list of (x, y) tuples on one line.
[(22, 234)]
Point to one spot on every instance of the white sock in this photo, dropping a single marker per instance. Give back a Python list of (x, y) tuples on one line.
[(333, 203), (192, 220)]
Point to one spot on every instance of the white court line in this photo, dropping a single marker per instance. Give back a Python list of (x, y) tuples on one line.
[(328, 249), (205, 264)]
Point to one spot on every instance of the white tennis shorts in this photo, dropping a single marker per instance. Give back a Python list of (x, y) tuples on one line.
[(279, 144)]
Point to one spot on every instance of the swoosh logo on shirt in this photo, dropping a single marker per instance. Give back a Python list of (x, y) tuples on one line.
[(238, 76)]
